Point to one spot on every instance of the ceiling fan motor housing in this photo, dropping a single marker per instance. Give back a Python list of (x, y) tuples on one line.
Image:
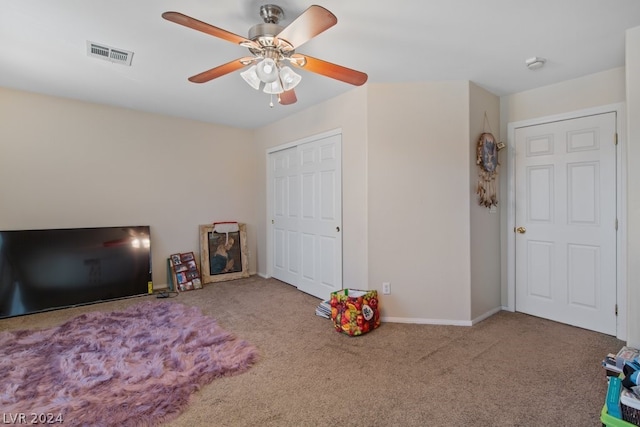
[(271, 14), (264, 30), (265, 34)]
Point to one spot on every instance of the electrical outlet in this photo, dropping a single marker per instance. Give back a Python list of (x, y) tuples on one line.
[(386, 288)]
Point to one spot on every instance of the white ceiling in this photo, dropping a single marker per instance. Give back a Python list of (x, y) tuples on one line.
[(43, 49)]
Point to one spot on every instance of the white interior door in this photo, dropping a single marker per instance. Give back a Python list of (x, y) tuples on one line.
[(286, 215), (565, 217), (307, 215), (321, 216)]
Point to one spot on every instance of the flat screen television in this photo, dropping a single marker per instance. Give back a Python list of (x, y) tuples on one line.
[(50, 269)]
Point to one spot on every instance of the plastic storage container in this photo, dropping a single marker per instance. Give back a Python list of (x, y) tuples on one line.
[(610, 421), (630, 407)]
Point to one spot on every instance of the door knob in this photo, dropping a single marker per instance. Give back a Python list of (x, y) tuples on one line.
[(521, 230), (338, 229)]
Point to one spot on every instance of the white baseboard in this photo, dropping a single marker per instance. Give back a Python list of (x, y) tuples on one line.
[(264, 276), (421, 321), (486, 315)]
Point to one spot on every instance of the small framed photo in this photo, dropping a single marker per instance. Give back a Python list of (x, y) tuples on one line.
[(188, 256), (223, 255), (181, 278), (175, 259)]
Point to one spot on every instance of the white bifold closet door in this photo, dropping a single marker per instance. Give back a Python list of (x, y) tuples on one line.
[(307, 215)]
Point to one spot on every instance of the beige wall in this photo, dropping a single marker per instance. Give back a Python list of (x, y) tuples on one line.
[(347, 112), (418, 164), (408, 168), (589, 91), (633, 184), (65, 163), (485, 224), (91, 165)]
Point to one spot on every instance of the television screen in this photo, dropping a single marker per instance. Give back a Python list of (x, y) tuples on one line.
[(47, 269)]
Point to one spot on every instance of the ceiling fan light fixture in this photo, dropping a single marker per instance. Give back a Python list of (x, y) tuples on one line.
[(289, 78), (273, 88), (251, 77), (267, 70)]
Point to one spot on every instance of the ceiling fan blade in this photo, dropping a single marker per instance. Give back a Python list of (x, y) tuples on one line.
[(288, 97), (309, 24), (328, 69), (221, 70), (195, 24)]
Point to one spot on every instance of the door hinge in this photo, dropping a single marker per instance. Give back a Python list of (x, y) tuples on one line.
[(615, 138), (616, 309), (616, 224)]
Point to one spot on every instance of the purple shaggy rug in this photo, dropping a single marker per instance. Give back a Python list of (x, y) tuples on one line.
[(134, 367)]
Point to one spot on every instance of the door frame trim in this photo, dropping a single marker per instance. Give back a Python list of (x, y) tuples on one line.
[(269, 187), (621, 204)]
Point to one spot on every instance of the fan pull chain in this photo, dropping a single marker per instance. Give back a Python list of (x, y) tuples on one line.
[(271, 102)]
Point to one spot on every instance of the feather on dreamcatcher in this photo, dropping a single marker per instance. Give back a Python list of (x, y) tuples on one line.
[(487, 160)]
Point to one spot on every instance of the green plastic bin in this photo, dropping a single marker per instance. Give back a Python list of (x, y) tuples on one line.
[(610, 421)]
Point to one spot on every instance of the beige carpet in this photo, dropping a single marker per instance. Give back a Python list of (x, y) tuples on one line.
[(509, 370)]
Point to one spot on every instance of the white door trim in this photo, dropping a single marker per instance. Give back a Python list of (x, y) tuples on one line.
[(621, 208), (269, 231)]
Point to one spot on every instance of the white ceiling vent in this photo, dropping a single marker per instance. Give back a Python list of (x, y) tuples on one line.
[(108, 53)]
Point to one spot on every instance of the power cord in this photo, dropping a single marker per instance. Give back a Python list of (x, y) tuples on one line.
[(166, 294)]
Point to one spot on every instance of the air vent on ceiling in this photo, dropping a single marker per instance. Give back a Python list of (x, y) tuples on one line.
[(108, 53)]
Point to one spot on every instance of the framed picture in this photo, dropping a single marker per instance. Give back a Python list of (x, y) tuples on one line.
[(223, 256)]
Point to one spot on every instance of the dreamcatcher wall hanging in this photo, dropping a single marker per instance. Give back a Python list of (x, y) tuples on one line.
[(487, 160)]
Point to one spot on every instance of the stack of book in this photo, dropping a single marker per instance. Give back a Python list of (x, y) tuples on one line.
[(614, 363), (324, 310), (609, 364)]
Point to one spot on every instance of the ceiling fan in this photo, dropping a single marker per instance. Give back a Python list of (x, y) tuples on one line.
[(273, 49)]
